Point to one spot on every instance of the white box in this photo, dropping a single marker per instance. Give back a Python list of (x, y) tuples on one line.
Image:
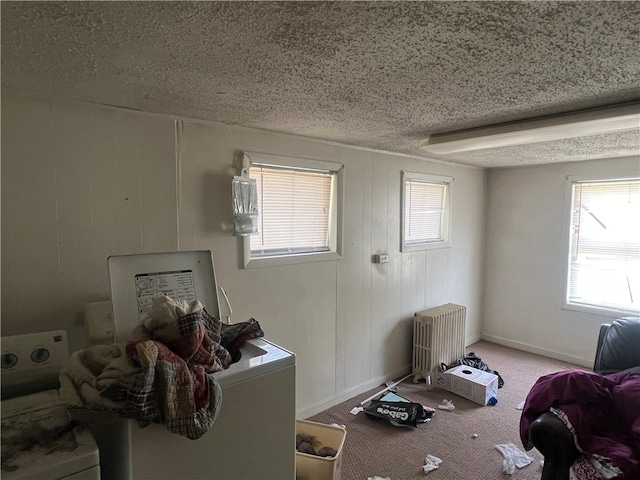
[(468, 382)]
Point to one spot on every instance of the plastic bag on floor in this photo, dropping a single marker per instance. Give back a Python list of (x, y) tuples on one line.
[(513, 457), (400, 414)]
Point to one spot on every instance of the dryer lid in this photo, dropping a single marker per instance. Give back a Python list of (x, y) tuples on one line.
[(137, 279)]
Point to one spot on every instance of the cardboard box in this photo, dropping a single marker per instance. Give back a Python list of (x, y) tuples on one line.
[(312, 467), (473, 384)]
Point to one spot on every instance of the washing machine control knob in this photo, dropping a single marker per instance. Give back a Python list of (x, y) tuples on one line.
[(9, 360), (40, 355)]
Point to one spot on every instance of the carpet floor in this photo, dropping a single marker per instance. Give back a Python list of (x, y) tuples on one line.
[(464, 438)]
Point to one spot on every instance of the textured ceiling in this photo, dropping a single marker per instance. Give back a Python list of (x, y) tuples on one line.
[(382, 75)]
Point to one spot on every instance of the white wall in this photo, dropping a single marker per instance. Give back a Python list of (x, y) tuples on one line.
[(525, 260), (82, 182), (79, 183)]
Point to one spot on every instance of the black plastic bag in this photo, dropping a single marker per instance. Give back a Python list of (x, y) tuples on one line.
[(400, 414)]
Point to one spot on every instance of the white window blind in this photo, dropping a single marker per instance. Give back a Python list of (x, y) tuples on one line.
[(424, 207), (295, 208), (425, 210), (604, 260)]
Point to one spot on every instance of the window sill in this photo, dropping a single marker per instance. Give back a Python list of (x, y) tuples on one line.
[(602, 311), (425, 246), (291, 259)]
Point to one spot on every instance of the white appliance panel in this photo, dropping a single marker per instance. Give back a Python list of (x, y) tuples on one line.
[(253, 437)]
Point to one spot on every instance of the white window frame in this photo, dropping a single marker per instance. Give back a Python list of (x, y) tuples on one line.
[(335, 221), (446, 211), (567, 225)]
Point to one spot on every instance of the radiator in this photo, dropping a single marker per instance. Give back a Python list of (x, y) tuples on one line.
[(438, 337)]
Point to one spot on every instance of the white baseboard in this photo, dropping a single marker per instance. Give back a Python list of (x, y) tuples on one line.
[(584, 362), (363, 387), (350, 393), (473, 339)]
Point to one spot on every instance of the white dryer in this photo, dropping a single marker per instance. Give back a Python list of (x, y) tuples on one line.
[(39, 440)]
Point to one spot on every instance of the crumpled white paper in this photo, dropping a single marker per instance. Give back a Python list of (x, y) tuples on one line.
[(513, 457), (378, 478), (431, 462), (447, 405)]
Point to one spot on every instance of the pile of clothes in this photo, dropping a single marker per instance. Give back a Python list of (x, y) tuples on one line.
[(162, 374)]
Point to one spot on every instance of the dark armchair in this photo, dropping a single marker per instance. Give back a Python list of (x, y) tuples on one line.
[(618, 346), (618, 349)]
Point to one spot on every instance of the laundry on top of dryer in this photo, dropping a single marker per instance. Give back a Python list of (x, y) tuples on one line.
[(161, 374)]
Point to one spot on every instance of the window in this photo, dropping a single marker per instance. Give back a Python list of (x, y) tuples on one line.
[(299, 210), (425, 211), (604, 245)]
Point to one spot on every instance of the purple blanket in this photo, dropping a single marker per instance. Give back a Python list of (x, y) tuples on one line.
[(603, 410)]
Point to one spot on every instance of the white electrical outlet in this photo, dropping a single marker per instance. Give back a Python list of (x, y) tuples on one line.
[(380, 258), (98, 318)]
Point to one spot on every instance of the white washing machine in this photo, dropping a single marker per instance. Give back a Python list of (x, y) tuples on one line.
[(254, 434), (39, 440)]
